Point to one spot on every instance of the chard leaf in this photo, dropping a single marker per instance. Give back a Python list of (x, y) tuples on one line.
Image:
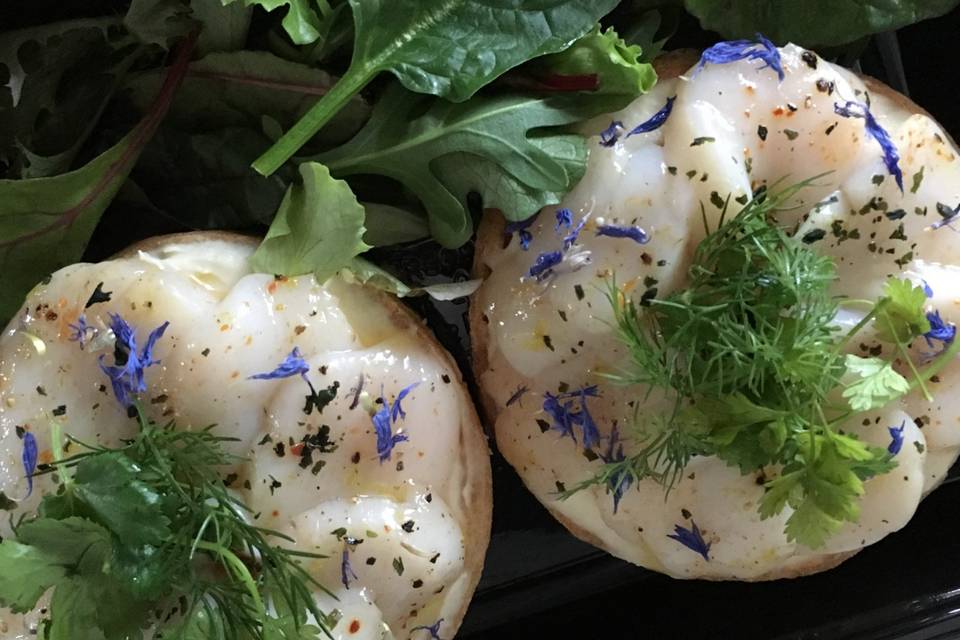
[(318, 228), (605, 56), (158, 22), (526, 164), (448, 48), (364, 272), (45, 223), (814, 23), (223, 27), (238, 88)]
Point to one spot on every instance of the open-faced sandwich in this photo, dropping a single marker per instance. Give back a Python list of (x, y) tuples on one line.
[(194, 450), (728, 352)]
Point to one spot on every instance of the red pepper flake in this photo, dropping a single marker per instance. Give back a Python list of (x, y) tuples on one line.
[(354, 626), (297, 449)]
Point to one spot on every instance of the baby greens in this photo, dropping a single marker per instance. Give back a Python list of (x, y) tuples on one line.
[(448, 48), (751, 360), (149, 531)]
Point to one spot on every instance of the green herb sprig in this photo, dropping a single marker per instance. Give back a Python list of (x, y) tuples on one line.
[(750, 357), (148, 534)]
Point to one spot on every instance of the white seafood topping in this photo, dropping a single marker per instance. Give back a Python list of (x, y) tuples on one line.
[(733, 128)]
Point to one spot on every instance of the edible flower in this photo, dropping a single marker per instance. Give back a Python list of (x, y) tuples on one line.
[(656, 120), (81, 330), (433, 630), (692, 539), (610, 135), (385, 419), (891, 158), (29, 459), (294, 364), (633, 232), (927, 289), (619, 481), (939, 330), (734, 50), (896, 438), (572, 257), (561, 409), (346, 571), (947, 216), (564, 218), (522, 229), (127, 372)]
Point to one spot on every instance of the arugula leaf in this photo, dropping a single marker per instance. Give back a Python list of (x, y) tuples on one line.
[(45, 223), (318, 228), (448, 48), (527, 165), (604, 55), (805, 22), (877, 383), (901, 312), (302, 22)]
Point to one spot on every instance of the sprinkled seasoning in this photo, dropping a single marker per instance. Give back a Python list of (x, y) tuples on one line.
[(692, 539), (791, 134), (29, 459), (891, 158), (813, 236), (398, 565), (127, 373), (762, 132), (734, 50), (696, 143), (917, 180), (98, 296), (896, 439), (655, 121), (809, 58)]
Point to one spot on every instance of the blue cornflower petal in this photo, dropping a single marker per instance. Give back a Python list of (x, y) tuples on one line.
[(560, 413), (948, 219), (939, 330), (692, 539), (80, 331), (896, 438), (734, 50), (610, 135), (635, 233), (433, 630), (565, 417), (397, 409), (571, 238), (29, 458), (292, 365), (346, 571), (619, 482), (656, 120), (544, 263), (564, 218), (891, 157), (927, 289), (127, 375), (522, 229)]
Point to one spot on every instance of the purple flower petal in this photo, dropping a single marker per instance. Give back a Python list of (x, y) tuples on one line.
[(734, 50), (292, 365), (564, 219), (634, 233), (896, 438), (610, 135), (433, 630), (80, 331), (891, 157), (397, 409), (522, 230), (544, 263), (346, 571), (619, 482), (127, 374), (692, 539), (29, 459), (656, 120)]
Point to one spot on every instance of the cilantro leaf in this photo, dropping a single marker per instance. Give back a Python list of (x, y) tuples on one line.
[(810, 525), (876, 384), (74, 612), (25, 574), (409, 136), (901, 316), (318, 228), (448, 49), (605, 56)]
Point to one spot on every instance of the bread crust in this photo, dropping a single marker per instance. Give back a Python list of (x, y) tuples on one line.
[(475, 451), (490, 240)]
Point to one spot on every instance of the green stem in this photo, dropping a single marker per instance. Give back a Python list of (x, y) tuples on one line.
[(320, 114), (856, 329), (906, 356), (239, 570), (936, 367)]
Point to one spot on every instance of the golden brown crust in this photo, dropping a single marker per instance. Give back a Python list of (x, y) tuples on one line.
[(490, 240), (478, 490)]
